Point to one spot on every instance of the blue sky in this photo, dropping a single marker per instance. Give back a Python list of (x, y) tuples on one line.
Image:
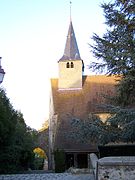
[(32, 40)]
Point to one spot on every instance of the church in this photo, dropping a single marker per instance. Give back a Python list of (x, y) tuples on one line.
[(75, 96)]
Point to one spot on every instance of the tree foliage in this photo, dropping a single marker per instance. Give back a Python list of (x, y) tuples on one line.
[(120, 127), (82, 126), (40, 153), (123, 121), (43, 137), (117, 46), (16, 139), (115, 51), (91, 130), (59, 158), (7, 119)]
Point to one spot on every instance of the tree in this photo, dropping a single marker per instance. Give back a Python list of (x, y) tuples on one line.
[(40, 156), (8, 122), (91, 130), (43, 137), (7, 119), (115, 51), (122, 122), (16, 139), (40, 152), (59, 158), (24, 141)]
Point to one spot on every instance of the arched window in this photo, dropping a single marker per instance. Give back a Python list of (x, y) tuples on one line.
[(72, 65), (67, 65)]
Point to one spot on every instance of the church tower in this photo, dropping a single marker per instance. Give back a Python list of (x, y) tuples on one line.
[(71, 64)]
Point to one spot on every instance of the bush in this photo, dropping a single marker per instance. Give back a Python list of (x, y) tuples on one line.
[(59, 158), (38, 163)]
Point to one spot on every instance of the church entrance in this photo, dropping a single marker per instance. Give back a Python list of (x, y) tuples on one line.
[(77, 160), (82, 160)]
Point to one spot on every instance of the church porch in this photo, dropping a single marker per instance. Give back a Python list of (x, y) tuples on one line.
[(78, 159)]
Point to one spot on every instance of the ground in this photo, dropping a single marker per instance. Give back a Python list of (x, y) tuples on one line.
[(48, 176)]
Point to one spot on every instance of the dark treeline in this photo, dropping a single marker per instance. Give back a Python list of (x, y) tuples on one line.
[(17, 140)]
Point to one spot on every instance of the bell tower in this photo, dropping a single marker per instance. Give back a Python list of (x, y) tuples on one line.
[(70, 65)]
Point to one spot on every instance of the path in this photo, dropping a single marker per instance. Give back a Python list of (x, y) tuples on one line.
[(48, 176)]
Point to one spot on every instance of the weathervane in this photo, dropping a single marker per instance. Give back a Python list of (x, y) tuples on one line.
[(70, 9)]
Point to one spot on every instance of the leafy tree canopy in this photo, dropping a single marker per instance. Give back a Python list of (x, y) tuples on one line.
[(116, 48), (115, 51), (16, 139), (40, 153)]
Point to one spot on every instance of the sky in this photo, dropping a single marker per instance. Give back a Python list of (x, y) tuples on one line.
[(32, 40)]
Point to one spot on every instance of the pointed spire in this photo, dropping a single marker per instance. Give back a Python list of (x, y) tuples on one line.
[(71, 51)]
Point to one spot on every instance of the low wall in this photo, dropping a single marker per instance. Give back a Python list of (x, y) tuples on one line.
[(114, 168)]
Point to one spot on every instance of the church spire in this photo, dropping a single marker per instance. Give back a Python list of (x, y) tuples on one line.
[(71, 51)]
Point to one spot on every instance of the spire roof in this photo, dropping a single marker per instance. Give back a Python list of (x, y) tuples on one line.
[(71, 51)]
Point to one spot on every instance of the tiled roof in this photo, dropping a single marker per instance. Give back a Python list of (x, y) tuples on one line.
[(71, 51), (84, 101), (79, 103)]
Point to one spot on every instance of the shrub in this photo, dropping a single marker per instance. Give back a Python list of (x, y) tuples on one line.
[(59, 158)]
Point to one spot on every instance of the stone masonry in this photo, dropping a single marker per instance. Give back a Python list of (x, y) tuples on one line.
[(113, 168)]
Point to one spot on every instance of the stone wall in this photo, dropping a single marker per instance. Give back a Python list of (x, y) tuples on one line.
[(114, 168), (94, 160)]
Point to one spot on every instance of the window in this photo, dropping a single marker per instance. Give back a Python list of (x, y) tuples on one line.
[(70, 65), (67, 64)]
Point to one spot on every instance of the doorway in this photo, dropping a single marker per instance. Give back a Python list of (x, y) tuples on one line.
[(77, 160), (69, 160), (82, 160)]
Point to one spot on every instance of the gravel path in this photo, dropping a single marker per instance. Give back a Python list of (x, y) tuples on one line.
[(48, 176)]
